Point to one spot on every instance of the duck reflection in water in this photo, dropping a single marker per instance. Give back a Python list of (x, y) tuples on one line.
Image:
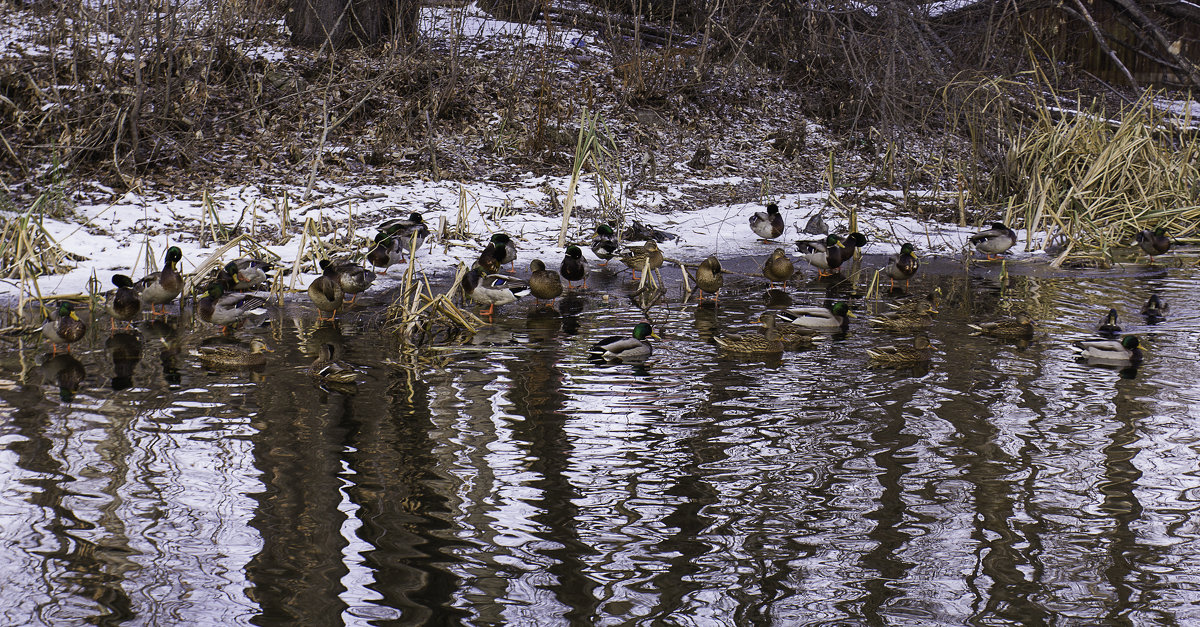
[(125, 349), (543, 323), (775, 298), (65, 371), (167, 333), (326, 333), (705, 321), (570, 306)]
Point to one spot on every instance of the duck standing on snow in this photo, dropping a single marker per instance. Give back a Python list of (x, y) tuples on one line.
[(505, 250), (326, 291), (499, 251), (994, 241), (903, 266), (625, 348), (394, 239), (604, 245), (709, 277), (353, 279), (493, 289), (1153, 242), (162, 287), (573, 267), (386, 252), (767, 224), (246, 273), (404, 231)]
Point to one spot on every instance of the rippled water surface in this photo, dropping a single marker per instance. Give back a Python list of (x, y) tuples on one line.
[(511, 481)]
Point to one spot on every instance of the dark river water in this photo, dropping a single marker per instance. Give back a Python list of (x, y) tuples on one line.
[(512, 481)]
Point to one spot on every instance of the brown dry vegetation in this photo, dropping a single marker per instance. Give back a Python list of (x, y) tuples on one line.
[(151, 93)]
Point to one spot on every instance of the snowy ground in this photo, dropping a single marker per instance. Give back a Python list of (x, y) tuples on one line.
[(113, 237)]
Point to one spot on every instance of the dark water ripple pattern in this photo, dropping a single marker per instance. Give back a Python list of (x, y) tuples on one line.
[(518, 483)]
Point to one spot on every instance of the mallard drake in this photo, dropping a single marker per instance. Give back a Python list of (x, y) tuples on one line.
[(326, 291), (1108, 326), (385, 252), (647, 257), (903, 266), (246, 274), (791, 335), (1019, 327), (917, 318), (767, 343), (403, 231), (573, 267), (835, 318), (1126, 351), (850, 242), (767, 224), (217, 307), (233, 356), (710, 277), (619, 348), (1153, 242), (544, 284), (493, 289), (827, 255), (1155, 309), (162, 287), (994, 241), (326, 368), (354, 279), (920, 351), (63, 326), (123, 303), (778, 268), (505, 250), (604, 244), (489, 259)]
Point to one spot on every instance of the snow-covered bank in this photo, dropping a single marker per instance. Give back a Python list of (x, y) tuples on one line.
[(113, 237)]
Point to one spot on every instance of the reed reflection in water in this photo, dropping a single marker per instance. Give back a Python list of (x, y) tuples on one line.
[(515, 482)]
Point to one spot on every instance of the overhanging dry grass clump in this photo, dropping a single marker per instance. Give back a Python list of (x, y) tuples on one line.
[(1089, 180)]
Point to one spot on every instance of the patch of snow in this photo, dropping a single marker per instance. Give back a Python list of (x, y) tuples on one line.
[(1181, 110)]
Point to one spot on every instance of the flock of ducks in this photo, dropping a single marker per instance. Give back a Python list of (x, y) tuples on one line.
[(794, 327), (231, 297)]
